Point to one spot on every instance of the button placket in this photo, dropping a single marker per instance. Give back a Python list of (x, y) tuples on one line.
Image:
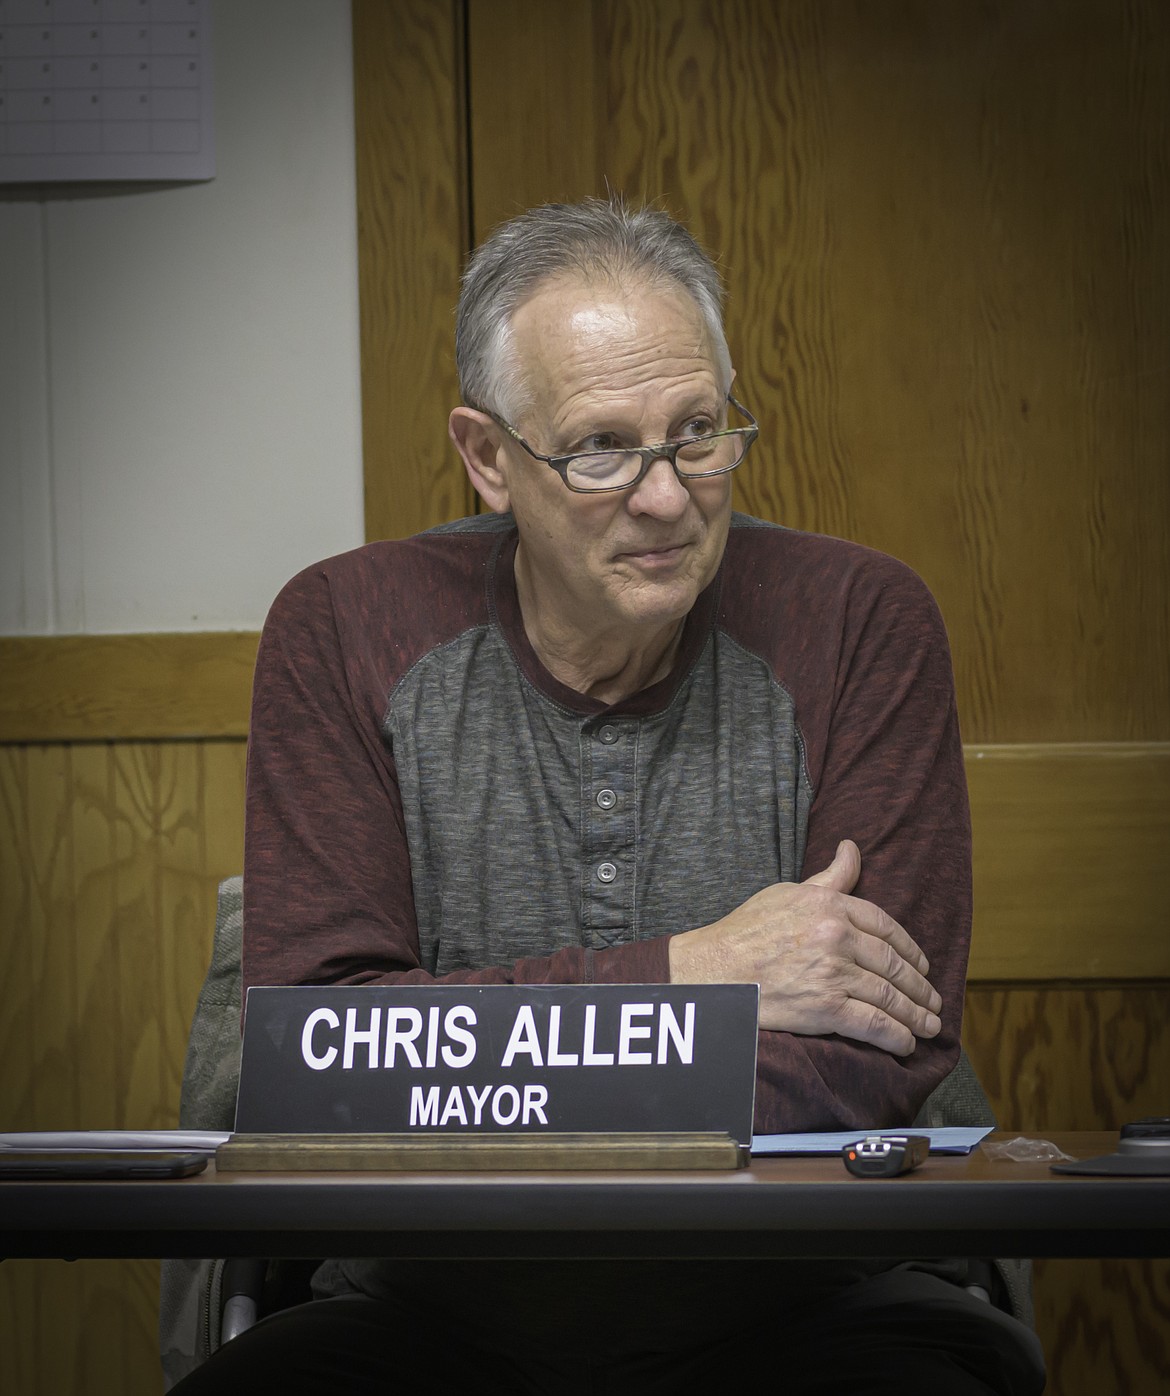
[(607, 832)]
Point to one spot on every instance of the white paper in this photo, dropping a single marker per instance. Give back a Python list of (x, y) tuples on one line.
[(951, 1140), (90, 1141)]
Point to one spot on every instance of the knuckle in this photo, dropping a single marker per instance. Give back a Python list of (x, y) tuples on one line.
[(830, 930), (827, 943), (879, 1025), (888, 998), (838, 1010)]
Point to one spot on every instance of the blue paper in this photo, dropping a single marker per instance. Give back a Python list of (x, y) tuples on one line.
[(951, 1140)]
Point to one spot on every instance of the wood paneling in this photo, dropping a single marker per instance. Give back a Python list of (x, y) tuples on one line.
[(80, 1328), (999, 212), (125, 687), (1076, 1057), (109, 857), (1070, 852), (537, 116), (412, 239), (943, 232), (1083, 1058), (1105, 1325)]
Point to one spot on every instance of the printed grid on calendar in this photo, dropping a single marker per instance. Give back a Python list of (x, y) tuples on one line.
[(105, 90)]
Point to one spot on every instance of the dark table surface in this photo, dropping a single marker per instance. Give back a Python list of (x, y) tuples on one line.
[(966, 1205)]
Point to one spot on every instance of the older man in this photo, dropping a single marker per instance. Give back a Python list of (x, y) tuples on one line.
[(613, 732)]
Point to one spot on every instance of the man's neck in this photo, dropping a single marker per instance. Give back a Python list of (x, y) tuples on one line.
[(605, 666)]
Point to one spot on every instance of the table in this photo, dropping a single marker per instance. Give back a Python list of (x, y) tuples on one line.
[(780, 1207)]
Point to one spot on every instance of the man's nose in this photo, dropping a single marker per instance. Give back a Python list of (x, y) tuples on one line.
[(659, 492)]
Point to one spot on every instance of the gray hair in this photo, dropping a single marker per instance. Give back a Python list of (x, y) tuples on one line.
[(595, 238)]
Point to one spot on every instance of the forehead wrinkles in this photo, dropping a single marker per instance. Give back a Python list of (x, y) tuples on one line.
[(578, 341), (617, 397)]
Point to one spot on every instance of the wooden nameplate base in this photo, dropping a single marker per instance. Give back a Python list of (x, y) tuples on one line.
[(471, 1153)]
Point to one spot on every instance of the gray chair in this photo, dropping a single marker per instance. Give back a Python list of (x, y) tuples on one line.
[(204, 1303), (191, 1297)]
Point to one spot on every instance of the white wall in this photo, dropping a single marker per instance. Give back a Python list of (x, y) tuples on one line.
[(179, 382)]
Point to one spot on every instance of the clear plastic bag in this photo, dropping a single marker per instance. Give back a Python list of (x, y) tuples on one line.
[(1024, 1150)]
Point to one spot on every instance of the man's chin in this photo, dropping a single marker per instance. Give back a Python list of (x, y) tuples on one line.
[(657, 602)]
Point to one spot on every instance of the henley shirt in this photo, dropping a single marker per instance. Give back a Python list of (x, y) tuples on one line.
[(426, 802)]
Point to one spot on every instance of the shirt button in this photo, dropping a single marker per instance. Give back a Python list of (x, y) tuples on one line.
[(608, 734), (606, 799), (607, 872)]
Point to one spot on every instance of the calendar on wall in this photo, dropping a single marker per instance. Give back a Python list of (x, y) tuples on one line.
[(105, 90)]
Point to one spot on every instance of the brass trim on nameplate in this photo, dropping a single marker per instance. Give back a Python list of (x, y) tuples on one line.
[(471, 1153)]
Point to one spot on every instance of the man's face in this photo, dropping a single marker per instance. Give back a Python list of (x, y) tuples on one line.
[(615, 365)]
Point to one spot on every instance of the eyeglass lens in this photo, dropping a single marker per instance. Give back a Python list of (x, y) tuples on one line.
[(708, 456)]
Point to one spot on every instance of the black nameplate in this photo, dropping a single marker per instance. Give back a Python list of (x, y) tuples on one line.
[(500, 1057)]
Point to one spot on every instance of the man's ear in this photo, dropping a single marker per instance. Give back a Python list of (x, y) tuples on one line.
[(477, 439)]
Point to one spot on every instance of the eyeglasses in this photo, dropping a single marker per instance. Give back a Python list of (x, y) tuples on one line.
[(691, 457)]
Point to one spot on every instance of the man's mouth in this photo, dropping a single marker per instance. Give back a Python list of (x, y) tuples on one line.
[(659, 555)]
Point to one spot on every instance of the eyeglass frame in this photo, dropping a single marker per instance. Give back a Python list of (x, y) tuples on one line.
[(667, 450)]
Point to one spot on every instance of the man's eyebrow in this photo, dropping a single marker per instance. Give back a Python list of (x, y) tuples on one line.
[(568, 439), (708, 407)]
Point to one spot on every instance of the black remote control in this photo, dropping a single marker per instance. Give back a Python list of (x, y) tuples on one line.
[(885, 1155)]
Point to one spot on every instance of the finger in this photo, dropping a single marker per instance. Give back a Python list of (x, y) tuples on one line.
[(876, 1012), (863, 1023), (877, 991), (842, 873), (871, 919), (876, 957)]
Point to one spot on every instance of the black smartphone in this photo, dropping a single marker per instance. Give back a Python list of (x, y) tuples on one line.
[(885, 1155), (100, 1163)]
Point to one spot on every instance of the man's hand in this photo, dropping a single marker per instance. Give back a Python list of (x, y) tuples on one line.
[(825, 962)]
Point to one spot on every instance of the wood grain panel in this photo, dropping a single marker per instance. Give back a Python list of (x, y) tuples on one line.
[(949, 303), (109, 857), (1070, 846), (82, 1328), (1080, 1057), (536, 108), (1083, 1058), (1105, 1325), (130, 687), (1006, 303), (412, 238)]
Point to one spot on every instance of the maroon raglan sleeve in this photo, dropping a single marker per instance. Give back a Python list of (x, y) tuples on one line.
[(866, 655), (328, 896), (327, 891)]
